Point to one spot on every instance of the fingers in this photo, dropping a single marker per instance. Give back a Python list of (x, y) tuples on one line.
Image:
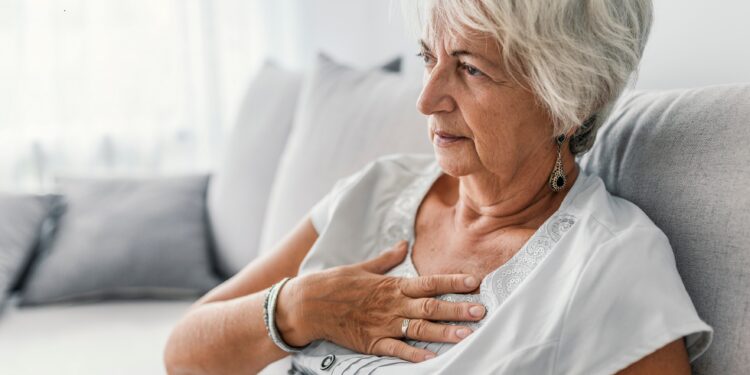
[(387, 259), (425, 330), (433, 285), (399, 349), (435, 309)]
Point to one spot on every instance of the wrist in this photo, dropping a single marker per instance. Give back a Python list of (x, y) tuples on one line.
[(288, 319)]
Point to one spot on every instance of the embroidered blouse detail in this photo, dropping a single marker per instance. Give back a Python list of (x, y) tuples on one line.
[(497, 286)]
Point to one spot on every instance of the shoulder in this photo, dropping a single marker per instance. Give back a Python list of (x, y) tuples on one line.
[(627, 266), (389, 171), (614, 216), (371, 185), (407, 163), (629, 300), (618, 231)]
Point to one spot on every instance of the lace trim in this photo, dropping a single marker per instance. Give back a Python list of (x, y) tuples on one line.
[(395, 226)]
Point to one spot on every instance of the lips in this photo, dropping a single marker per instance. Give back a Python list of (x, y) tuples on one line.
[(444, 139), (443, 134)]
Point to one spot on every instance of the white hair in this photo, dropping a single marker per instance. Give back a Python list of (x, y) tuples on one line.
[(577, 56)]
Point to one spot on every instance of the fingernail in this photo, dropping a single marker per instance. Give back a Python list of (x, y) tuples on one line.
[(470, 281), (463, 332), (476, 310), (429, 356)]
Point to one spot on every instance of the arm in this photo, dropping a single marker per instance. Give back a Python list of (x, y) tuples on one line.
[(671, 359), (223, 331)]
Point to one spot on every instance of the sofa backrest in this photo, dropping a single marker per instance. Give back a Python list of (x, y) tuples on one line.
[(683, 156), (345, 118)]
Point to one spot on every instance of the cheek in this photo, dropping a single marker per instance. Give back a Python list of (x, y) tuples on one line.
[(495, 134), (489, 118), (494, 144)]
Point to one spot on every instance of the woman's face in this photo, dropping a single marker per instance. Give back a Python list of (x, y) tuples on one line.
[(466, 93)]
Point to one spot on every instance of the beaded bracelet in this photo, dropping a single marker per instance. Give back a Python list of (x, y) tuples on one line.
[(269, 310)]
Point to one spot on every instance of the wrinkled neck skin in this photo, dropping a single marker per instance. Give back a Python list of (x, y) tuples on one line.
[(483, 204)]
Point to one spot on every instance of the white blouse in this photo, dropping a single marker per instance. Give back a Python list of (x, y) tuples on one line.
[(593, 290)]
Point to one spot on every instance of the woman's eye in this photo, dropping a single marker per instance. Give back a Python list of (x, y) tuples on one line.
[(424, 56), (471, 70)]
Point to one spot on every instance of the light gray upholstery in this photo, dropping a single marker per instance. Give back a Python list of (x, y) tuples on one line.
[(239, 187), (683, 156)]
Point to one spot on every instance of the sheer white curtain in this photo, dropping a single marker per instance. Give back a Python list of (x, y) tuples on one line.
[(111, 87)]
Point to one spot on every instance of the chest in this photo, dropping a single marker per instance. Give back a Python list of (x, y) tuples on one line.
[(440, 248)]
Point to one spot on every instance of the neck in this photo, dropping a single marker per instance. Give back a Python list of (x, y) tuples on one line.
[(488, 204)]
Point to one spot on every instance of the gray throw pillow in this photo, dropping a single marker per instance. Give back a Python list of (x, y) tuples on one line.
[(21, 218), (123, 238)]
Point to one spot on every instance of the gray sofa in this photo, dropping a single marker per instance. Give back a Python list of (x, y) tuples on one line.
[(680, 155), (683, 156)]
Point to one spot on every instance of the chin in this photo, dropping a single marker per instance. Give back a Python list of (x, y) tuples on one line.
[(454, 163)]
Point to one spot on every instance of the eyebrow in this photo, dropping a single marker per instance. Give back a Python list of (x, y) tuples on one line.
[(461, 52)]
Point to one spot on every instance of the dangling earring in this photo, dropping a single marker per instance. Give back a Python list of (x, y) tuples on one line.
[(557, 178)]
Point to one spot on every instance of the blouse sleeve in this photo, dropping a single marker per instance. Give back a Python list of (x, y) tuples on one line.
[(321, 211), (629, 301)]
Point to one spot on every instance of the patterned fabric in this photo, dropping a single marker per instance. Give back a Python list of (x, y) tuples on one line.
[(497, 285)]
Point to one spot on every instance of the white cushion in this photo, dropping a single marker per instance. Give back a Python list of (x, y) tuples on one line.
[(240, 186), (345, 119)]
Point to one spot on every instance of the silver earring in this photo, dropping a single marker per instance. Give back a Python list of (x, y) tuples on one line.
[(557, 178)]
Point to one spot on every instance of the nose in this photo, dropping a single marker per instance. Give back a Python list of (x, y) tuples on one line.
[(435, 95)]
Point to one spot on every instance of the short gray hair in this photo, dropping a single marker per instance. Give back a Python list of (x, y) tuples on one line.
[(577, 56)]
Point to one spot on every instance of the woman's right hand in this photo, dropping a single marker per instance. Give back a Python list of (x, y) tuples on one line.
[(357, 307)]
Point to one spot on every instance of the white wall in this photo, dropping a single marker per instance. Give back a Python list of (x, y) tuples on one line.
[(693, 42), (697, 43), (361, 33)]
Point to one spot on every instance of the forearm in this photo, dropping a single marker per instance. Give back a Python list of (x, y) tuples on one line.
[(222, 337)]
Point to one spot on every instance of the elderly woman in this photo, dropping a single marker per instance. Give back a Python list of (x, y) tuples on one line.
[(502, 256)]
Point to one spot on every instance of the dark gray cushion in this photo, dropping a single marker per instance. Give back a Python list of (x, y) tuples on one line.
[(683, 156), (21, 217), (393, 65), (125, 238)]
